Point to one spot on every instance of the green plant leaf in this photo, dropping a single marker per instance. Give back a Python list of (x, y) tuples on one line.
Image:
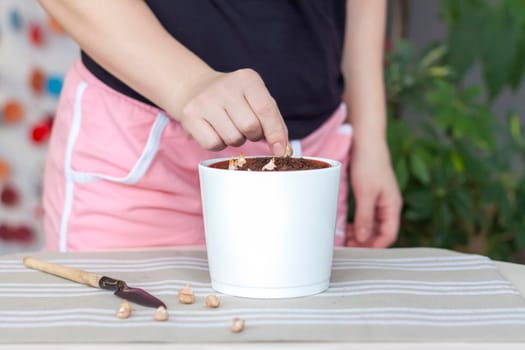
[(515, 128), (401, 170), (439, 71), (520, 239), (499, 30), (457, 162), (463, 50), (441, 221), (444, 216), (432, 57), (454, 11), (495, 195), (462, 204), (419, 205), (517, 66), (418, 168)]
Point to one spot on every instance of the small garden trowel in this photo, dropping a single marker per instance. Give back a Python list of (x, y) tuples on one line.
[(120, 288)]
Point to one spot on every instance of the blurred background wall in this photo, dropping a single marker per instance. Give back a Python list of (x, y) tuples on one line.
[(34, 56)]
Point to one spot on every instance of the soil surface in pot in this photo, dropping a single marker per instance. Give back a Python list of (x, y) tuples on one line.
[(281, 164)]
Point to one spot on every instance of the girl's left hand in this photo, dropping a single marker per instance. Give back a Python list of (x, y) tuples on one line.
[(377, 197)]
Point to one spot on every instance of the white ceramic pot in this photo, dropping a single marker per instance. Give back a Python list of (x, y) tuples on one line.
[(270, 234)]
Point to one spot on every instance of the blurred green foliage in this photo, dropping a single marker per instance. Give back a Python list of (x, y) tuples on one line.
[(459, 166)]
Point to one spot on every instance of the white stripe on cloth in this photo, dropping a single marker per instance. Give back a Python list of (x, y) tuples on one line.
[(143, 284), (336, 261), (109, 261), (204, 260), (443, 264), (274, 317), (439, 269), (418, 259), (70, 291), (43, 295), (109, 269), (419, 282), (238, 311), (448, 288), (193, 267), (291, 323), (333, 285), (359, 284), (364, 316)]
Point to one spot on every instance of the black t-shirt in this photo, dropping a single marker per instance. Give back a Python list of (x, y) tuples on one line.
[(295, 45)]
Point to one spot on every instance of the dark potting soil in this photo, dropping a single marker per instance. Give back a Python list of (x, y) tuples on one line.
[(281, 164)]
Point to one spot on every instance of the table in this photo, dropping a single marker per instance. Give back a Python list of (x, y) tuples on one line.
[(474, 268)]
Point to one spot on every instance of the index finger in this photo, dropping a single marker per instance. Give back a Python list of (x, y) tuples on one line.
[(265, 109)]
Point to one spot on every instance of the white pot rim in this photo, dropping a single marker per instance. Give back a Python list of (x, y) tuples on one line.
[(334, 164)]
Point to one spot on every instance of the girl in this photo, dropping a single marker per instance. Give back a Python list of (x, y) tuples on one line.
[(162, 85)]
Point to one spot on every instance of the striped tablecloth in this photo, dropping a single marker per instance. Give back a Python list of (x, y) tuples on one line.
[(418, 295)]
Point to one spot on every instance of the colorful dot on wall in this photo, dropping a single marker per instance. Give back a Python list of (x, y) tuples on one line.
[(36, 34), (15, 20), (37, 80), (23, 234), (49, 120), (5, 231), (13, 111), (5, 170), (38, 212), (55, 27), (9, 196), (40, 132), (54, 85)]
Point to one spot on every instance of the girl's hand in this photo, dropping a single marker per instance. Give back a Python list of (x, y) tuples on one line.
[(226, 109), (217, 109), (377, 196)]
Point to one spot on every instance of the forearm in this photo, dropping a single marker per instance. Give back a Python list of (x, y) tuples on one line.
[(153, 63), (363, 69)]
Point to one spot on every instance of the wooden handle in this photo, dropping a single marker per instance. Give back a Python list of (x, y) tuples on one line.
[(76, 275)]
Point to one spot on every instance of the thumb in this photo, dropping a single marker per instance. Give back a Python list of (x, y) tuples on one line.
[(364, 217)]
